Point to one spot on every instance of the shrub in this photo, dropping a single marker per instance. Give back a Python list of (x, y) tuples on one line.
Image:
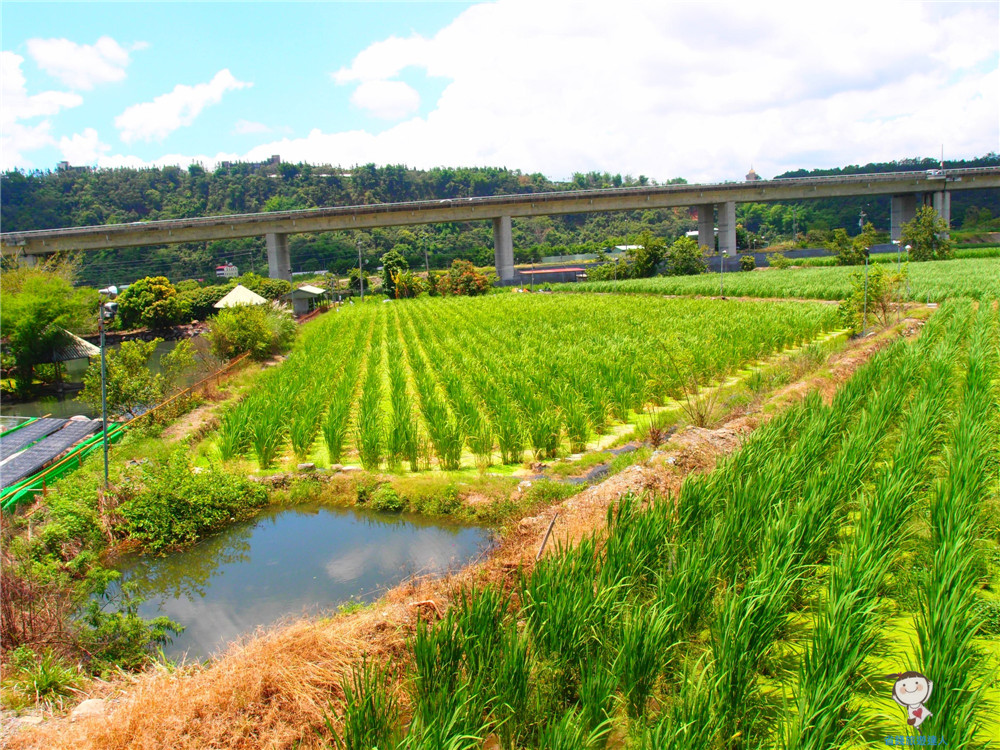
[(747, 263), (152, 302), (463, 279), (408, 285), (386, 500), (777, 260), (172, 505), (201, 301), (268, 288), (262, 330)]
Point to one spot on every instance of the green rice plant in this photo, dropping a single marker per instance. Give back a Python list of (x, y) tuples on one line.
[(598, 686), (306, 421), (570, 733), (371, 712), (401, 437), (977, 278), (575, 418), (689, 723), (335, 424), (644, 644), (267, 426), (234, 435), (369, 438)]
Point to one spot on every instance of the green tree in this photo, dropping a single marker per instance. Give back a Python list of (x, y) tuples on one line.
[(393, 263), (152, 302), (647, 255), (38, 304), (131, 384), (354, 280), (685, 257), (871, 303), (927, 237), (851, 252), (747, 262)]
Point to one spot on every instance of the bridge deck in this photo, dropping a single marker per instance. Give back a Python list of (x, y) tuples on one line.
[(489, 207)]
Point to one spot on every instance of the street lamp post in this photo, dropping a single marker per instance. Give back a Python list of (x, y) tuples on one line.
[(105, 311), (361, 272), (864, 320), (722, 268)]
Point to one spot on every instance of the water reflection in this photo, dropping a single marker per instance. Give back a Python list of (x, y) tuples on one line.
[(287, 562)]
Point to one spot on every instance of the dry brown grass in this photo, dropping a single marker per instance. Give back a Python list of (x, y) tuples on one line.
[(272, 690)]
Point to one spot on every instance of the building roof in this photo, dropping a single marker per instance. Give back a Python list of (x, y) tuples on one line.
[(74, 348), (304, 292), (543, 271), (240, 296)]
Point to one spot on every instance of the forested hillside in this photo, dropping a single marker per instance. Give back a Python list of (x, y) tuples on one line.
[(80, 196)]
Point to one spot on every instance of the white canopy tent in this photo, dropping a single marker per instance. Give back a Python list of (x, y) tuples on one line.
[(240, 296)]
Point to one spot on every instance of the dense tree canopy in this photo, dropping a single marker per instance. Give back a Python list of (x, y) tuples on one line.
[(39, 305)]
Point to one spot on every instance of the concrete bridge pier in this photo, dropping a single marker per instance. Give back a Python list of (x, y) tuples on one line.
[(904, 209), (503, 249), (706, 226), (727, 228), (279, 261), (942, 204)]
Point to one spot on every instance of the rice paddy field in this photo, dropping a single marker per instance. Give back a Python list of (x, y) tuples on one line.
[(452, 383), (762, 606), (976, 278)]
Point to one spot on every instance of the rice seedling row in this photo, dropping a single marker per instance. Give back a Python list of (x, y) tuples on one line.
[(947, 619), (492, 376)]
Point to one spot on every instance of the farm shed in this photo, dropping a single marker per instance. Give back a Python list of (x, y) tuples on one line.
[(305, 298)]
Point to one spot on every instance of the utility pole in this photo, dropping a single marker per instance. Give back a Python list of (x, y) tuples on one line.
[(361, 271)]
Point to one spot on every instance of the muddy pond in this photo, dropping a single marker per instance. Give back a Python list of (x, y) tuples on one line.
[(290, 561)]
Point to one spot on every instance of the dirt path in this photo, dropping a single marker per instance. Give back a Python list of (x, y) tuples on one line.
[(271, 690)]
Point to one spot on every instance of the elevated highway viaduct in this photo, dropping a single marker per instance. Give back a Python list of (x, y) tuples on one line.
[(716, 206)]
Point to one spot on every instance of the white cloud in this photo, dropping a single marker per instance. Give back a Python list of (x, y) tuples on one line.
[(81, 66), (388, 100), (682, 89), (248, 127), (19, 138), (83, 148), (665, 89), (157, 119)]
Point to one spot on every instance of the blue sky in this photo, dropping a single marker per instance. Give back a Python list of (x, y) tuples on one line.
[(663, 89)]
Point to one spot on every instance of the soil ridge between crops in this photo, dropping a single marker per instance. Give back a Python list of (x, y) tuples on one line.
[(272, 688)]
